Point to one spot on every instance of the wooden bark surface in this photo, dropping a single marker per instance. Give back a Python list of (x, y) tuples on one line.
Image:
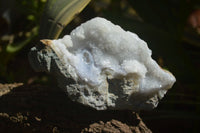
[(38, 108)]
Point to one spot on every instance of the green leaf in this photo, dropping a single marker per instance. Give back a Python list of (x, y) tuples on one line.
[(12, 48), (57, 14)]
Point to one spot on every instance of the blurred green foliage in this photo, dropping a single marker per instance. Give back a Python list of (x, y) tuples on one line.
[(19, 23), (162, 24)]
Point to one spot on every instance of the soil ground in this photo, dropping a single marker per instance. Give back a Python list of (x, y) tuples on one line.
[(37, 108)]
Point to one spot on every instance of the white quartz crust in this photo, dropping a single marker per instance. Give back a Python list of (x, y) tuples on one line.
[(112, 68)]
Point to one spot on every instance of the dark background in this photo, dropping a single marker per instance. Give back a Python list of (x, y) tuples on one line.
[(170, 27)]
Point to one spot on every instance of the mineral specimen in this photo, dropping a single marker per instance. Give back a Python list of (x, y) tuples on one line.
[(102, 66)]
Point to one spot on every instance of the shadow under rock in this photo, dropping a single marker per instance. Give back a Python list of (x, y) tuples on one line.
[(41, 108)]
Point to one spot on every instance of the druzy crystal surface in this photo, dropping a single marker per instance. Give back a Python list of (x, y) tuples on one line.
[(105, 67)]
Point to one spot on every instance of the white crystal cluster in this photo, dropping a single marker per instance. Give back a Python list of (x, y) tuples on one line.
[(111, 68)]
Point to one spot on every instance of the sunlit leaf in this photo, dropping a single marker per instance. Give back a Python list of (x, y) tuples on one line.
[(57, 14)]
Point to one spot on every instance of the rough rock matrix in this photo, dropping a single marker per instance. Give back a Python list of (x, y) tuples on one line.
[(102, 66)]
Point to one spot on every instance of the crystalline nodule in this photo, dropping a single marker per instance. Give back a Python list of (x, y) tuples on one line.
[(104, 59), (104, 52)]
